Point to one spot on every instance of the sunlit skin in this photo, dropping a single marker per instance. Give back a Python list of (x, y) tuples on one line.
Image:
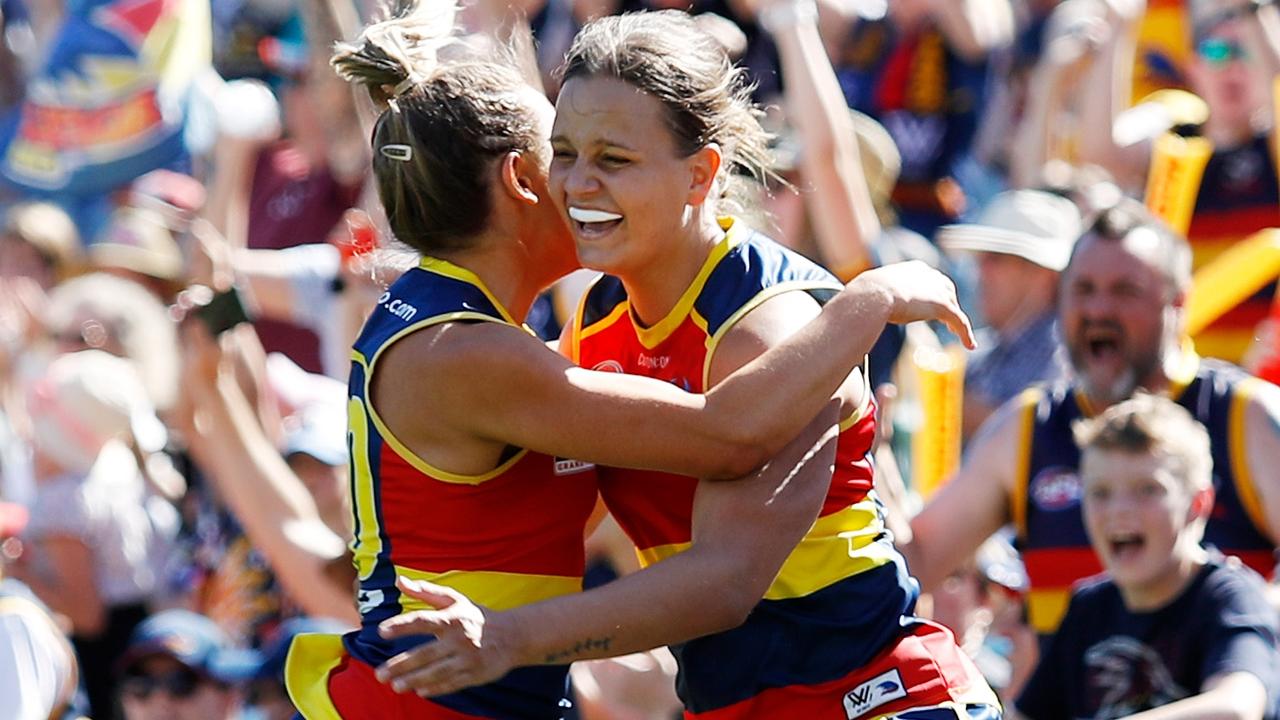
[(554, 254), (1119, 318), (209, 701), (612, 151), (522, 214), (1145, 524)]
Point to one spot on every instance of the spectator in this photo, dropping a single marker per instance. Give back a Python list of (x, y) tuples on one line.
[(98, 538), (316, 450), (38, 671), (82, 132), (102, 312), (1171, 626), (1022, 241), (138, 245), (180, 666), (327, 287), (176, 197), (920, 69), (290, 185), (1066, 42), (278, 554), (982, 603), (1236, 56), (1121, 313), (847, 163), (39, 242)]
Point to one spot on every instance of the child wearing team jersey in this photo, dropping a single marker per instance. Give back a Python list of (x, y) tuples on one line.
[(1171, 630)]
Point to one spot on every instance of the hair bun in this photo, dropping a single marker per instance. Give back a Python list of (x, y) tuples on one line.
[(393, 55)]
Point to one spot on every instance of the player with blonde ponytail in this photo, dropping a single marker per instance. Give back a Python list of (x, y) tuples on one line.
[(461, 423)]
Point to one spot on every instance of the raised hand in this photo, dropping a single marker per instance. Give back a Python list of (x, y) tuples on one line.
[(919, 292)]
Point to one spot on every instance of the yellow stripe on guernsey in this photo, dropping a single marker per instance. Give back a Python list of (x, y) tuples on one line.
[(1046, 607), (856, 416), (367, 545), (500, 590), (651, 337), (1243, 472), (312, 657), (768, 293), (840, 545), (617, 312), (1027, 402), (447, 269), (714, 340)]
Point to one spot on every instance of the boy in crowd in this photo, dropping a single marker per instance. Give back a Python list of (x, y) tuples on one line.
[(1172, 629)]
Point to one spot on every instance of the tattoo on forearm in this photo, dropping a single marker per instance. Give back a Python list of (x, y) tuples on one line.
[(582, 646)]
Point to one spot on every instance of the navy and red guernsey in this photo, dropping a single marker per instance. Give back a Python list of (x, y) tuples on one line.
[(843, 597), (1046, 502), (506, 538)]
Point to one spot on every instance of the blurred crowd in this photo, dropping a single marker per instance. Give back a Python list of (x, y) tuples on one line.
[(173, 486)]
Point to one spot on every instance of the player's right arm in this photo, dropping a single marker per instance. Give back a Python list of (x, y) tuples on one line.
[(973, 504), (441, 389)]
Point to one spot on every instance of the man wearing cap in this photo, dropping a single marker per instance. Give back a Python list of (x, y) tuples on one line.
[(1121, 309), (1021, 241), (180, 666)]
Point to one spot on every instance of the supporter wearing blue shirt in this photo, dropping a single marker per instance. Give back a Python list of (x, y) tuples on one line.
[(1172, 626)]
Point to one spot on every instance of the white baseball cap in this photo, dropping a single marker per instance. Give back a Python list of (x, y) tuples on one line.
[(86, 399), (1036, 226)]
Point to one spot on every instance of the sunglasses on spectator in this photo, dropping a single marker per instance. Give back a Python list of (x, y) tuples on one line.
[(179, 684), (1220, 51)]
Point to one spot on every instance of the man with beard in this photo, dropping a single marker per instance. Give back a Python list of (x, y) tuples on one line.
[(1122, 307)]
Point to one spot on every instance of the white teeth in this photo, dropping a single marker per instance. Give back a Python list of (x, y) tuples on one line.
[(586, 215)]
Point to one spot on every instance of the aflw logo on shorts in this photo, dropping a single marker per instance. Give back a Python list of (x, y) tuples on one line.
[(873, 693)]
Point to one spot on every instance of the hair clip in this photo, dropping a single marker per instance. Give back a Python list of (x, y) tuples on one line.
[(403, 153), (404, 85)]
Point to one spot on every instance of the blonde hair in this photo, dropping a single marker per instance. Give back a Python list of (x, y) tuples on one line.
[(447, 115), (1150, 424)]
